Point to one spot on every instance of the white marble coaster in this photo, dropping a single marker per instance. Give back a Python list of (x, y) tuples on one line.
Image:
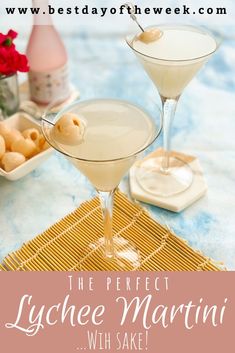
[(177, 202)]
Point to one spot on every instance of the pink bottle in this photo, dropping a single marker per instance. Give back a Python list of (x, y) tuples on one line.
[(48, 76)]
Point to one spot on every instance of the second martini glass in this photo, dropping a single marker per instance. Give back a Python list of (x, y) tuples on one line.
[(171, 62), (116, 132)]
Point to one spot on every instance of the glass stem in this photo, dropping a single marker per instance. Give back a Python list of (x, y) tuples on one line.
[(168, 107), (106, 200)]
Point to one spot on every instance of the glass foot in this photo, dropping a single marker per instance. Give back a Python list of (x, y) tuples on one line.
[(126, 256), (151, 177)]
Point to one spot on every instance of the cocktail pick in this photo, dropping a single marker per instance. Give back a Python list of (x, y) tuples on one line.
[(45, 118), (131, 10), (51, 110), (147, 36)]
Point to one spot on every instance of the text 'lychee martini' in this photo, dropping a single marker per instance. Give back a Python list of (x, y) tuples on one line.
[(171, 60), (102, 138)]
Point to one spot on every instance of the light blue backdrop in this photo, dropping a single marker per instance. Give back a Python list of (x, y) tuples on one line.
[(101, 65)]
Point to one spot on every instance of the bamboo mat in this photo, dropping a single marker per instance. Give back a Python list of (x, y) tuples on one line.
[(60, 248)]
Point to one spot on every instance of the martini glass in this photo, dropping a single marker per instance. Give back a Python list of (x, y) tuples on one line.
[(171, 63), (116, 133)]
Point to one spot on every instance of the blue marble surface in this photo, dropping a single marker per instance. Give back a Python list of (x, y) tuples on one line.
[(103, 66)]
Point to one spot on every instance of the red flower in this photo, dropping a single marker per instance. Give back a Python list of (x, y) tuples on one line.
[(7, 39), (11, 60)]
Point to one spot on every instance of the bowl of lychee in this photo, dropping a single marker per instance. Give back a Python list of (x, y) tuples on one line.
[(22, 146)]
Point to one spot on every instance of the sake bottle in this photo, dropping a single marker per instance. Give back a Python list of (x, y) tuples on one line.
[(48, 75)]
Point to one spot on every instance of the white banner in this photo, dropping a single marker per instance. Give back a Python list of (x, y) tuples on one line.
[(109, 15)]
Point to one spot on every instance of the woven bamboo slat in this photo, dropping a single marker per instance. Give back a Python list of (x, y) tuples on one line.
[(60, 248)]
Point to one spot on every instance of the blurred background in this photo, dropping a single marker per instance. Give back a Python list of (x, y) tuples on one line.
[(102, 65)]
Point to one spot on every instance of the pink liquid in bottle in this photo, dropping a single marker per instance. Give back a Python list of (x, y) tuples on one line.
[(48, 76)]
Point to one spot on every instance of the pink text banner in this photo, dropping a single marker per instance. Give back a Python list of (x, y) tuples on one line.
[(70, 312)]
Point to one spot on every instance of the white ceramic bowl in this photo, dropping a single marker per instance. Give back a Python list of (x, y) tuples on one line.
[(22, 121)]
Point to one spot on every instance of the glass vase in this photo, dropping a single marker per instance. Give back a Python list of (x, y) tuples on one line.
[(9, 95)]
